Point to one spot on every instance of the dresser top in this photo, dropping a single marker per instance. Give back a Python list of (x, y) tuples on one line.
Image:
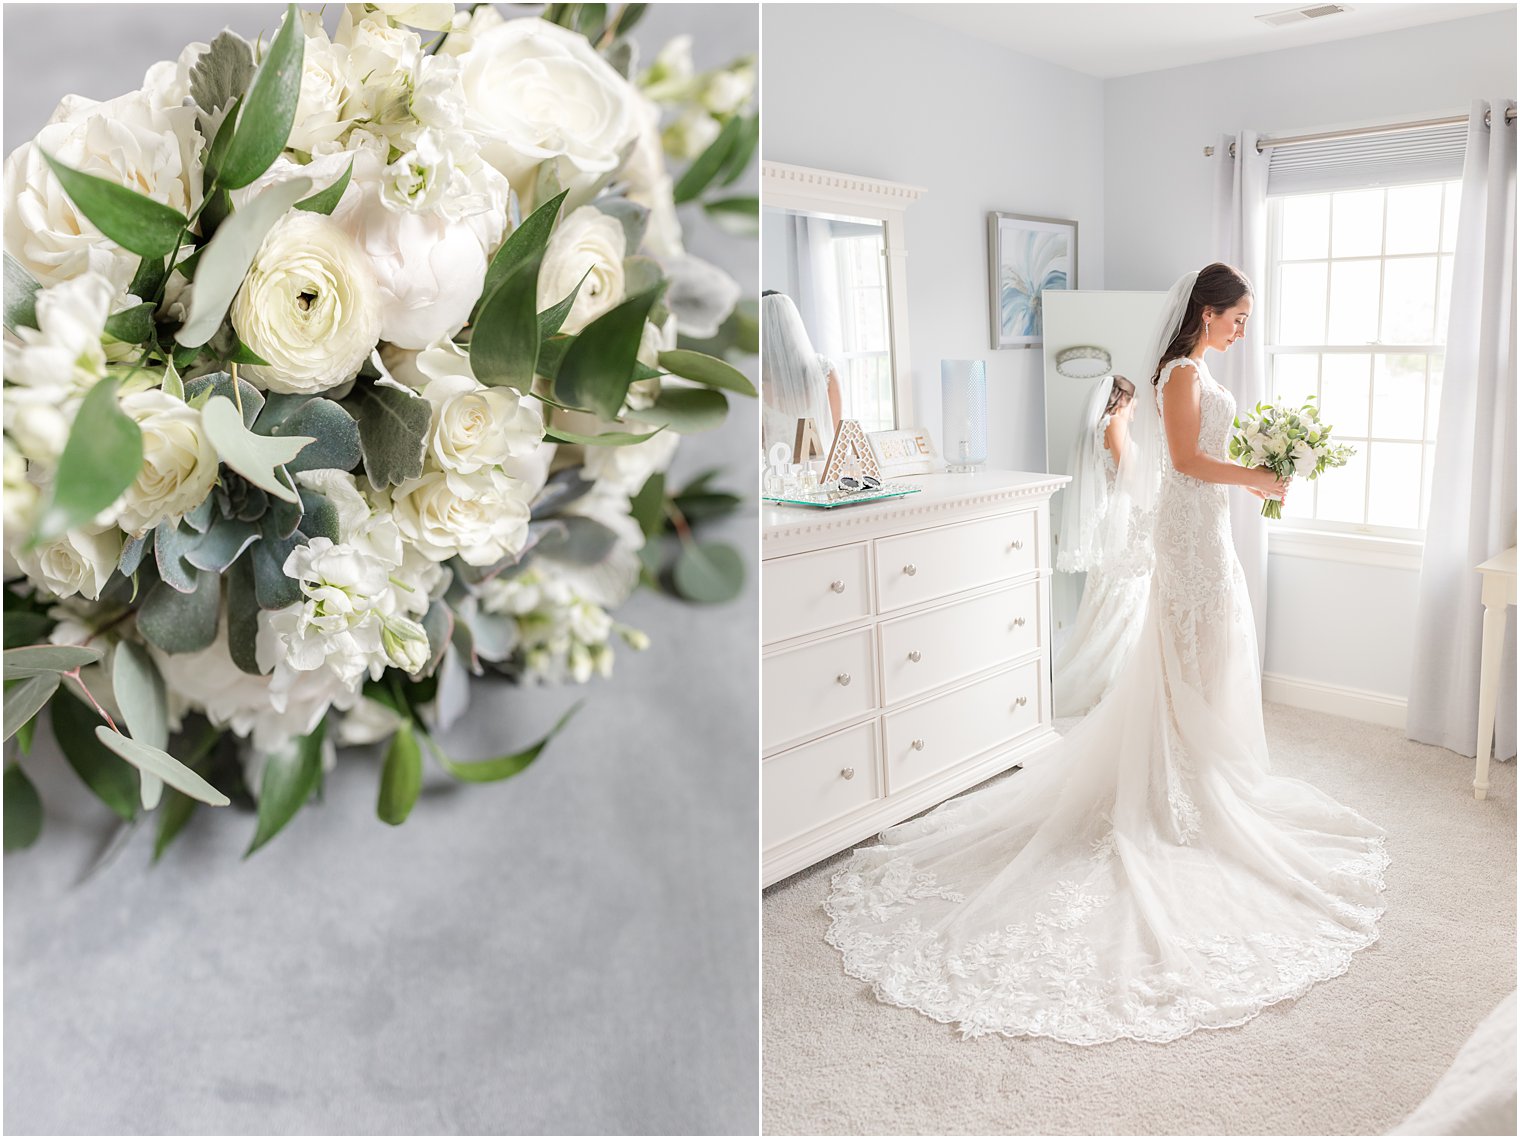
[(944, 498)]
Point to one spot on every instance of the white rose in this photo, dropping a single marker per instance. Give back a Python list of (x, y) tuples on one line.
[(382, 69), (481, 518), (167, 83), (324, 89), (473, 426), (156, 152), (80, 561), (536, 93), (309, 306), (179, 464), (585, 240), (429, 17), (469, 24), (1304, 458)]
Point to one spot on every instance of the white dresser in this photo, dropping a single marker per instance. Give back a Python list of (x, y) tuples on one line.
[(906, 655)]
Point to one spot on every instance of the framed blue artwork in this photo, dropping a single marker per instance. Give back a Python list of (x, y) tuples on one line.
[(1027, 255)]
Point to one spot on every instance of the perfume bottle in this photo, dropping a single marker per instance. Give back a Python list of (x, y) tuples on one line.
[(793, 485), (775, 481), (810, 483)]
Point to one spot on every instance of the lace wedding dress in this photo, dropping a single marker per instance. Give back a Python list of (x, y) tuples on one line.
[(1145, 875), (1106, 624)]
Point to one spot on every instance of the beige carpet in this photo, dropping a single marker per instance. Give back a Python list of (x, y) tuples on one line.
[(1353, 1056)]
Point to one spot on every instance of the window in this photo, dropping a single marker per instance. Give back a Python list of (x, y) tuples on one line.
[(1360, 287), (864, 360)]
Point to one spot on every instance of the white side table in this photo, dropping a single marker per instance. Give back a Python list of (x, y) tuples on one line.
[(1498, 595)]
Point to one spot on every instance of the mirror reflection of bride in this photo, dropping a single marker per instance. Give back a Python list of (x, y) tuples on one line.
[(796, 382), (1108, 616)]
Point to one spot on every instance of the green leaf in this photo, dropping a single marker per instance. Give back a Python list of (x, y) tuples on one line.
[(502, 767), (134, 221), (702, 507), (705, 166), (687, 410), (242, 354), (629, 15), (290, 777), (269, 107), (36, 660), (709, 572), (25, 698), (334, 433), (393, 432), (599, 365), (100, 460), (705, 369), (149, 277), (504, 345), (255, 457), (21, 289), (606, 439), (243, 616), (525, 243), (743, 150), (173, 813), (739, 216), (225, 259), (552, 319), (132, 325), (114, 783), (139, 691), (401, 778), (647, 508), (23, 810), (160, 763), (325, 201), (25, 629)]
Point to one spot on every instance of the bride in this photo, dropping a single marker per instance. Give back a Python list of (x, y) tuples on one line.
[(1145, 875)]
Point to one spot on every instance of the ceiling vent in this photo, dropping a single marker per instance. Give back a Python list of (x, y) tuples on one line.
[(1298, 15)]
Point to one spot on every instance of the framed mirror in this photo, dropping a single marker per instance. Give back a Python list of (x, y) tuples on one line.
[(834, 327)]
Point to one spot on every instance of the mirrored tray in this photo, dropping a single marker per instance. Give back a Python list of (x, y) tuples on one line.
[(828, 499)]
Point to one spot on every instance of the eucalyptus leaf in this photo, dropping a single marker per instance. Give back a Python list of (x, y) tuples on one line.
[(599, 365), (113, 782), (222, 545), (272, 588), (177, 622), (633, 217), (35, 660), (21, 289), (255, 457), (23, 810), (687, 410), (243, 616), (393, 430), (697, 508), (334, 435), (134, 221), (525, 243), (199, 392), (290, 777), (709, 572), (268, 109), (575, 540), (173, 813), (504, 345), (25, 698), (160, 763), (225, 260), (401, 778), (172, 542), (606, 439), (739, 216), (562, 488), (647, 508), (325, 201), (100, 460), (502, 767), (139, 691)]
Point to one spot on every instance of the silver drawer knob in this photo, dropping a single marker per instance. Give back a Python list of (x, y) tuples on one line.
[(844, 679), (1018, 544), (910, 569), (837, 586), (1017, 622), (1021, 701), (848, 773), (915, 656), (918, 745)]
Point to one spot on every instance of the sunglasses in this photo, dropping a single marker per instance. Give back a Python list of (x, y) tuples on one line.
[(852, 485)]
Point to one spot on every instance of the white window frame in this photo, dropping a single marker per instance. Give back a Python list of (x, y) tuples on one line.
[(1361, 543)]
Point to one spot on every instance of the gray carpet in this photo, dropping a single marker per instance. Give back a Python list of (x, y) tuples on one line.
[(1353, 1056)]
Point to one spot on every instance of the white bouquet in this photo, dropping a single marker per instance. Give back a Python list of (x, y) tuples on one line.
[(341, 370), (1289, 441)]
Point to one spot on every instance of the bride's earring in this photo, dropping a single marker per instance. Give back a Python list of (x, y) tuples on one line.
[(1205, 329)]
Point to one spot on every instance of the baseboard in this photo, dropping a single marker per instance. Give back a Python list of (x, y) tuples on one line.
[(1354, 703)]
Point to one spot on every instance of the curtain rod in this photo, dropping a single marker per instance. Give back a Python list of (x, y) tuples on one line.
[(1265, 143)]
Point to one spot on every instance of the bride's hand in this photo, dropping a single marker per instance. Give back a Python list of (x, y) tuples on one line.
[(1269, 485)]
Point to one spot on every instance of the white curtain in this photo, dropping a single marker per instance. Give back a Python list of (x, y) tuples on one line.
[(1240, 239), (1472, 514)]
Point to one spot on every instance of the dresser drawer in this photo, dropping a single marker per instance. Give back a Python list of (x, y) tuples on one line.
[(818, 782), (928, 738), (938, 646), (815, 686), (809, 592), (923, 565)]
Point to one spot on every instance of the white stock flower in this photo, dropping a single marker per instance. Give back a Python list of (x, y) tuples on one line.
[(628, 468), (47, 368), (692, 132), (586, 240), (382, 68), (469, 24), (560, 634), (80, 561), (535, 92), (309, 306), (473, 426), (127, 141), (179, 464), (481, 517), (728, 89)]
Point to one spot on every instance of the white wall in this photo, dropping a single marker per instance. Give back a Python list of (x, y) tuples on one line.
[(867, 90), (1158, 226)]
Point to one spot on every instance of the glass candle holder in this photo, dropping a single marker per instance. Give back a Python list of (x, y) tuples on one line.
[(963, 385)]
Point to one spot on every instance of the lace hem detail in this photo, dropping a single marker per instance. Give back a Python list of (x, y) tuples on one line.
[(1040, 978)]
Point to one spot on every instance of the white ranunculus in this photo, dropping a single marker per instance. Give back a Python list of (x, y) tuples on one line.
[(325, 89), (382, 69), (536, 93), (80, 561), (309, 306), (473, 426), (585, 240), (156, 152), (480, 517), (179, 464), (1304, 458), (701, 295)]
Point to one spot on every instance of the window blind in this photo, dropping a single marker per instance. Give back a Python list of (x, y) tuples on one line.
[(1426, 154)]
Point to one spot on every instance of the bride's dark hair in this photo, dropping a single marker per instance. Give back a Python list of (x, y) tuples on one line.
[(1219, 286), (1123, 391)]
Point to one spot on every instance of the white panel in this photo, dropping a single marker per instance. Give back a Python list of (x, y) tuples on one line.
[(808, 593), (929, 649), (808, 689), (817, 782), (929, 564)]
